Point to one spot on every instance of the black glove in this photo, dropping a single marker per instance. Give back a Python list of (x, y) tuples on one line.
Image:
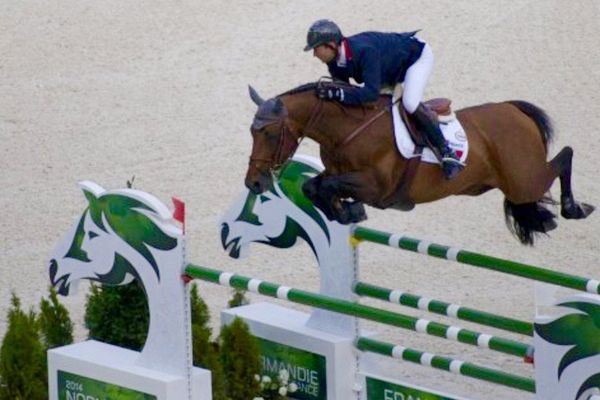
[(331, 93)]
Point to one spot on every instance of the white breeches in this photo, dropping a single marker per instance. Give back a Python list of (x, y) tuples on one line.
[(416, 80)]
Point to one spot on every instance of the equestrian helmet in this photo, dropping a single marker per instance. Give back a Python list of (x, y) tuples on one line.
[(321, 32)]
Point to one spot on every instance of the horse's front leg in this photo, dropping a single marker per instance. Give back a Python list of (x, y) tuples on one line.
[(339, 196), (313, 190)]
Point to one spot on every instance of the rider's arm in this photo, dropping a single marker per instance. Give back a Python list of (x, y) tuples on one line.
[(370, 65), (334, 73)]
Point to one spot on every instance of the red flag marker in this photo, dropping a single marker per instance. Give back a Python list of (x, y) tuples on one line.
[(179, 211)]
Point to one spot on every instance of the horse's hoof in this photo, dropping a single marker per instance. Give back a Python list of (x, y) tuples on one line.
[(548, 225), (586, 209), (342, 215), (574, 210), (351, 213), (357, 212), (344, 218)]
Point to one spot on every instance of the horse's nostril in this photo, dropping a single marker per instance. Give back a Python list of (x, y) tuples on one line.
[(250, 184), (253, 186)]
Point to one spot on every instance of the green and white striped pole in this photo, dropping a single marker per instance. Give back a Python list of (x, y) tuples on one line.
[(477, 260), (458, 334), (446, 364), (443, 308)]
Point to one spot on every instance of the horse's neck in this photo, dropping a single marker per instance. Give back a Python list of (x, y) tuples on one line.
[(334, 122)]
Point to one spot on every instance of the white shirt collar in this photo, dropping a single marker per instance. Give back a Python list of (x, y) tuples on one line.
[(342, 59)]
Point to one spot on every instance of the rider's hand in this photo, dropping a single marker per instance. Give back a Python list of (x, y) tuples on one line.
[(331, 93)]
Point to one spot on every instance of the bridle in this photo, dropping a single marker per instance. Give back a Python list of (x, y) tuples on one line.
[(288, 141)]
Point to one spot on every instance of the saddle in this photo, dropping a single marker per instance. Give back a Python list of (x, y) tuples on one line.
[(438, 107)]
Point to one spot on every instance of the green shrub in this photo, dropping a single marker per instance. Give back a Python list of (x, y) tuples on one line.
[(118, 315), (238, 299), (206, 353), (240, 360), (56, 327), (199, 309), (22, 357)]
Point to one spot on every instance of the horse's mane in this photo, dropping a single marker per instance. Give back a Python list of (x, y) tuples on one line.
[(358, 113), (302, 88), (314, 85)]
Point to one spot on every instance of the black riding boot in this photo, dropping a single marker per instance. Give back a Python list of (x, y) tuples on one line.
[(451, 164)]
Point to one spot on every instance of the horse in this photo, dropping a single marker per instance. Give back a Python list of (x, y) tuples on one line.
[(282, 215), (122, 235), (508, 149)]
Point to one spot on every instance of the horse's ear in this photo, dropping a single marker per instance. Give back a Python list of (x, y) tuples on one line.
[(255, 96), (278, 106)]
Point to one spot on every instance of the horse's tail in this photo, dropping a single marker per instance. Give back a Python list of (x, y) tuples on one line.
[(528, 220), (539, 116)]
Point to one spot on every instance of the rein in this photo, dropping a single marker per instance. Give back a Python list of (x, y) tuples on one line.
[(285, 145), (362, 127)]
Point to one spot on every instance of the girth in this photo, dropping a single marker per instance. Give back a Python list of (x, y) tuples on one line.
[(401, 198)]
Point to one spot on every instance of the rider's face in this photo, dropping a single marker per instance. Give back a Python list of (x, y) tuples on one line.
[(325, 52)]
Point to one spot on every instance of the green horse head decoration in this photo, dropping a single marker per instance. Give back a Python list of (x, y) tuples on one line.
[(282, 215), (105, 245), (573, 340), (123, 235), (279, 216)]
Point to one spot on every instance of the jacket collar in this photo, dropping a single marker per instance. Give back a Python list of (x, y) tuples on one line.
[(344, 53)]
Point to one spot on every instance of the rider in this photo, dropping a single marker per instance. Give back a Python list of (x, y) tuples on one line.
[(381, 59)]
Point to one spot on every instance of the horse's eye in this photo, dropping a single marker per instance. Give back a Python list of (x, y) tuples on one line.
[(92, 235)]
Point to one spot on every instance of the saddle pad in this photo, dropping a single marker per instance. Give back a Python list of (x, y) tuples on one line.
[(451, 128)]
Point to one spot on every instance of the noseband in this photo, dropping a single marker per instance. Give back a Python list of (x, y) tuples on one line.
[(288, 141)]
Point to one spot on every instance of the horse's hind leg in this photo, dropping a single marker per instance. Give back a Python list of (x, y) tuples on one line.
[(562, 165)]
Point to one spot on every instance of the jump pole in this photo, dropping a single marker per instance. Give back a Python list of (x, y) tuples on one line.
[(476, 259), (366, 344)]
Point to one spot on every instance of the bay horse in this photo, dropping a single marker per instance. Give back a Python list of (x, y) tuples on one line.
[(508, 149)]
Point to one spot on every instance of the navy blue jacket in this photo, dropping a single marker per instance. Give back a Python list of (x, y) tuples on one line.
[(376, 59)]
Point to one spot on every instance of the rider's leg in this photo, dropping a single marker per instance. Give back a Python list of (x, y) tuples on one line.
[(414, 88), (427, 122)]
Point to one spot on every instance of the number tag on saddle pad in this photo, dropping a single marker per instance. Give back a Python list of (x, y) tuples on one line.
[(451, 128)]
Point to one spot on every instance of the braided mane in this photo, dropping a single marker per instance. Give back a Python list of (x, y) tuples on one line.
[(313, 85), (302, 88)]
